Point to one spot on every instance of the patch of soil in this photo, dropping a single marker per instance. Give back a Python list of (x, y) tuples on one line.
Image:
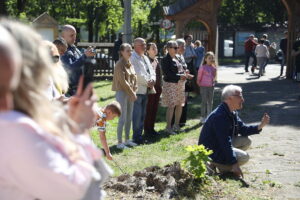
[(168, 182)]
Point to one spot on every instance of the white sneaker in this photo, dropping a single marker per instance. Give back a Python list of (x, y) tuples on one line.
[(170, 131), (122, 146), (130, 143)]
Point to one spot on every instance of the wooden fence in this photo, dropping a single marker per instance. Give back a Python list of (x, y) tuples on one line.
[(104, 67)]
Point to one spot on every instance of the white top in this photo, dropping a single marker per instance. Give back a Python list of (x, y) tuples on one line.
[(261, 50), (143, 70), (34, 164)]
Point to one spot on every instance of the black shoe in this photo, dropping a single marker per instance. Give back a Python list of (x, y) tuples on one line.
[(246, 70), (139, 142), (154, 132)]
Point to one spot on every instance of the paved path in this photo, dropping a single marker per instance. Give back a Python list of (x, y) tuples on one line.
[(275, 153)]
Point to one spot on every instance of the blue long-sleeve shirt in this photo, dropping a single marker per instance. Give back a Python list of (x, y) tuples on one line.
[(73, 61), (218, 131)]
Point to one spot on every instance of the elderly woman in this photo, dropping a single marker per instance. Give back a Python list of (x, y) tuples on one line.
[(174, 77), (180, 57), (125, 85), (58, 159)]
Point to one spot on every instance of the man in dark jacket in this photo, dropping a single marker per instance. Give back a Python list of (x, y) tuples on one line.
[(226, 134), (73, 59)]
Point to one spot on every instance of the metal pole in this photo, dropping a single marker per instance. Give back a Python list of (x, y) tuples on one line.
[(127, 22)]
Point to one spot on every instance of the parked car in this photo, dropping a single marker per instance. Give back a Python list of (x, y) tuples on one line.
[(228, 48)]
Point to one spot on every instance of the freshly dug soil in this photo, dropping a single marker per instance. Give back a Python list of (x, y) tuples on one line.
[(154, 182)]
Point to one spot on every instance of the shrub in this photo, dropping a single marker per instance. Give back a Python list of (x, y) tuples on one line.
[(195, 162)]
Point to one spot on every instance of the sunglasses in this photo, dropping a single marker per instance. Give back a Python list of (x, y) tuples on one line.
[(55, 59)]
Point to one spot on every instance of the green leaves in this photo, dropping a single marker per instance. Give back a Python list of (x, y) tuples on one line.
[(195, 162)]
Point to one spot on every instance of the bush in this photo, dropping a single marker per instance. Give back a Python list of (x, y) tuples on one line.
[(195, 162)]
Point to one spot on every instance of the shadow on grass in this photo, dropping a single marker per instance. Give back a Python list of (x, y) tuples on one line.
[(231, 176), (102, 85), (106, 98)]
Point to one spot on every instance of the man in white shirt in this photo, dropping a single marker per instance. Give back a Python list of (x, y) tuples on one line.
[(145, 80)]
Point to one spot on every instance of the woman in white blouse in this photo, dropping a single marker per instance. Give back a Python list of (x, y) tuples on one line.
[(46, 153)]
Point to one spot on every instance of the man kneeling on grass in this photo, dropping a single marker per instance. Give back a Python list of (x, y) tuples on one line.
[(226, 134), (109, 112)]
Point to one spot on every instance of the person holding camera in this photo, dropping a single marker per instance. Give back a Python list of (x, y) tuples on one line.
[(73, 59)]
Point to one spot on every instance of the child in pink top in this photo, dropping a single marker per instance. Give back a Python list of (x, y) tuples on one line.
[(206, 81)]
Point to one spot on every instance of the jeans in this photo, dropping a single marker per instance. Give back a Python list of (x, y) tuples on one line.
[(139, 113), (248, 55), (126, 116), (261, 62), (207, 97)]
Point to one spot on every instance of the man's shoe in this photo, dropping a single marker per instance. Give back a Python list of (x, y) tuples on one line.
[(138, 142), (154, 132)]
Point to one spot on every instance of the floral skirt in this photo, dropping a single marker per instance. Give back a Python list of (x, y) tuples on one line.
[(173, 94)]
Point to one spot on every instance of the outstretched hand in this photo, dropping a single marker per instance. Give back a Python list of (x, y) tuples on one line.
[(81, 107), (264, 121)]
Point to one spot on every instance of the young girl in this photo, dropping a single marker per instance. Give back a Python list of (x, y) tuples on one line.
[(206, 81)]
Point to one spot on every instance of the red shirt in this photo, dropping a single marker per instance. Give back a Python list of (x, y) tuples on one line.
[(250, 45)]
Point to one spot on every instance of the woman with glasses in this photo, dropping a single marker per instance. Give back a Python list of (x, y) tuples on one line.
[(173, 96)]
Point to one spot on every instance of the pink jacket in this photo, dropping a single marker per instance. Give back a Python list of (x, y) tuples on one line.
[(206, 76)]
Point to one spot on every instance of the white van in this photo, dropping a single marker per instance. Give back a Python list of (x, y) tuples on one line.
[(228, 48)]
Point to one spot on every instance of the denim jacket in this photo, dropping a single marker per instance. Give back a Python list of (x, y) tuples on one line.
[(217, 133)]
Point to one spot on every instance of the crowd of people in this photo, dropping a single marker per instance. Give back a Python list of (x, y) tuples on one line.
[(48, 110)]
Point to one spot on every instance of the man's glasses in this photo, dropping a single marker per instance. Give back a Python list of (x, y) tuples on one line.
[(55, 59)]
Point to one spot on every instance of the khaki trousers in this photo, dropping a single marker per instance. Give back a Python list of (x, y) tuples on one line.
[(240, 144)]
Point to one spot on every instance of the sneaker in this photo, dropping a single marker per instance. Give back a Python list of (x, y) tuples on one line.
[(130, 143), (170, 131), (122, 146), (176, 128)]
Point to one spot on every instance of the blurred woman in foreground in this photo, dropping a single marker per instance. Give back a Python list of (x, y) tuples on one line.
[(45, 151)]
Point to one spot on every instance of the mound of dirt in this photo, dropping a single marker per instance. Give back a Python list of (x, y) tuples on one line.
[(168, 182)]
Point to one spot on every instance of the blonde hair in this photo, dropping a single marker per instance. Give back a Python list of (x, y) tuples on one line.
[(30, 97), (60, 76)]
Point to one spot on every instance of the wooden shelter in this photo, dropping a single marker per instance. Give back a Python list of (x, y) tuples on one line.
[(46, 26), (206, 11)]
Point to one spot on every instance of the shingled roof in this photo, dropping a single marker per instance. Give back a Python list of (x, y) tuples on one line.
[(178, 7)]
